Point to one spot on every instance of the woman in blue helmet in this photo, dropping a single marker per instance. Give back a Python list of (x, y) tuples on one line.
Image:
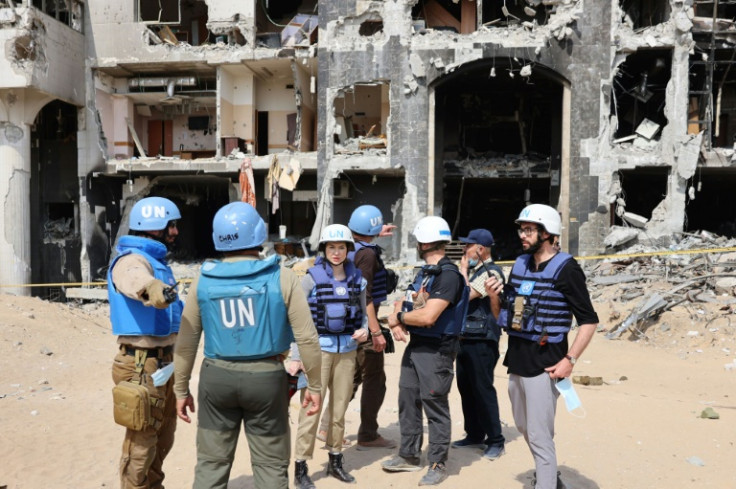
[(250, 310), (336, 294)]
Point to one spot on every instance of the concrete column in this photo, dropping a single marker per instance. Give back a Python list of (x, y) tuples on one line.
[(15, 191)]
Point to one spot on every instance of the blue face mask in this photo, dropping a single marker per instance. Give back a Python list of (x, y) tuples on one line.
[(472, 262), (567, 391)]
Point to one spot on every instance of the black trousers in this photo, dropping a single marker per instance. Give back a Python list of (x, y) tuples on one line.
[(424, 383), (475, 364)]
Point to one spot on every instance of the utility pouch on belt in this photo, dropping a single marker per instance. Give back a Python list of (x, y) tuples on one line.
[(131, 406), (131, 403)]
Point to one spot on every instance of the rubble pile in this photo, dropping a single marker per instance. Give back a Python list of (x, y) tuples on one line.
[(683, 295)]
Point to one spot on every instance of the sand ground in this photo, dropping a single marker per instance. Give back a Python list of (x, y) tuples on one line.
[(642, 427)]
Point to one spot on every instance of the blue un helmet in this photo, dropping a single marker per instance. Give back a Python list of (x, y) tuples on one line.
[(153, 214), (237, 226), (366, 220)]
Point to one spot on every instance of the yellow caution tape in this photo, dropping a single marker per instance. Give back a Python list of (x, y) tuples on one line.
[(408, 267)]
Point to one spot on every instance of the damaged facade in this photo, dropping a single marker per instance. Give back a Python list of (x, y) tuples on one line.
[(622, 114)]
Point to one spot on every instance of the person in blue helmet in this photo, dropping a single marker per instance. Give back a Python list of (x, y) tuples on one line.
[(145, 313), (250, 309), (335, 291), (366, 223)]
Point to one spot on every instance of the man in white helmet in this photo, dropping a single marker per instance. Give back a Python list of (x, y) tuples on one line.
[(433, 314), (546, 290)]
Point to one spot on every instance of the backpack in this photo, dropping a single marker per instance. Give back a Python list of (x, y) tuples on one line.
[(392, 280)]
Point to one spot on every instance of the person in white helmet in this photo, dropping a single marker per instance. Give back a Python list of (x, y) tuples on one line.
[(433, 318), (546, 290), (335, 291)]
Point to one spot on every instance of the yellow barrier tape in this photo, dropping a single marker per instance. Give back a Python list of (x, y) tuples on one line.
[(407, 267)]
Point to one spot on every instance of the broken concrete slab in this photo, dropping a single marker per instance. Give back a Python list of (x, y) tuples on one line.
[(619, 236), (635, 219), (96, 294)]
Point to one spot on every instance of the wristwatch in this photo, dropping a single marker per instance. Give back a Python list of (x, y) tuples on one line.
[(572, 359)]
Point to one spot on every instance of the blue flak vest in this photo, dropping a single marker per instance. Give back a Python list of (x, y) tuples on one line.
[(450, 321), (129, 317), (479, 323), (243, 312), (550, 314), (380, 291), (335, 306)]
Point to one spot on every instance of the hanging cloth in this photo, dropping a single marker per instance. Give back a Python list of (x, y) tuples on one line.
[(247, 184)]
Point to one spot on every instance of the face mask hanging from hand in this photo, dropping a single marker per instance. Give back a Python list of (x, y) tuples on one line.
[(572, 401)]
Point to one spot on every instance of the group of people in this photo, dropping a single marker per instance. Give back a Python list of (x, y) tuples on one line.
[(252, 311)]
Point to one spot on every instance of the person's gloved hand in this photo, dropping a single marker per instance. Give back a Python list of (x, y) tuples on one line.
[(153, 294)]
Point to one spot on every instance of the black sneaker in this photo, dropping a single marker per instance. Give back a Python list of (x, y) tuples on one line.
[(468, 443), (401, 464), (493, 452), (437, 473)]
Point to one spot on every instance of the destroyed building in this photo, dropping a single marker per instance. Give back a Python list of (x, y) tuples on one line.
[(618, 113)]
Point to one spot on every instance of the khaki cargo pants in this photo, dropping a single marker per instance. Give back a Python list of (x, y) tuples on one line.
[(144, 451)]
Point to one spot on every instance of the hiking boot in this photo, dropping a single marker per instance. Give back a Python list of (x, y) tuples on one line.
[(468, 443), (335, 469), (437, 473), (401, 464), (301, 476), (379, 442), (492, 452)]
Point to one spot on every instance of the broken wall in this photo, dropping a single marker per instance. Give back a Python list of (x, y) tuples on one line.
[(42, 53)]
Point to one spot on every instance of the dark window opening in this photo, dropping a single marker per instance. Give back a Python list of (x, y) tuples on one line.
[(713, 208), (370, 27), (487, 117), (446, 15), (712, 102), (642, 190), (176, 21), (361, 114), (286, 23), (645, 13), (726, 9), (639, 87), (502, 14), (498, 144), (68, 12)]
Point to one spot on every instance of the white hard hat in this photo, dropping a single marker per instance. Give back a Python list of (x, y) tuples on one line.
[(336, 232), (432, 229), (546, 216)]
